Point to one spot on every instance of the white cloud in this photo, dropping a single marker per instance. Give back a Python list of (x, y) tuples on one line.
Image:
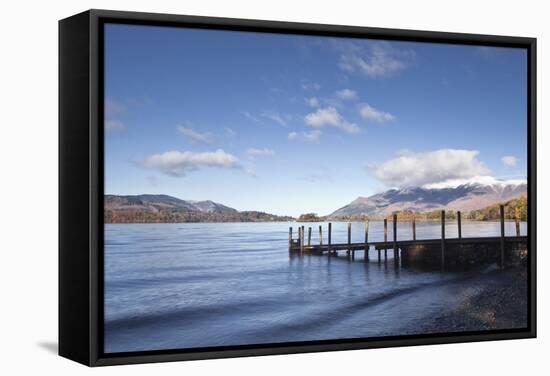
[(329, 116), (368, 112), (276, 117), (347, 94), (193, 135), (249, 116), (312, 136), (418, 169), (312, 102), (509, 161), (260, 152), (310, 86), (375, 59), (114, 125), (176, 163), (230, 131)]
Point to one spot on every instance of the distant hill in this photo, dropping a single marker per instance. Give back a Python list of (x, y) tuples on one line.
[(163, 208), (158, 203), (465, 197)]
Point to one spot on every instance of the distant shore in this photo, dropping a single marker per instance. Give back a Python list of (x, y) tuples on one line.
[(191, 217), (288, 220)]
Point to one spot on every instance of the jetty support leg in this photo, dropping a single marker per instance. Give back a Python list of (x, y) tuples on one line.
[(301, 240), (459, 223), (349, 237), (517, 218), (329, 237), (395, 250), (442, 239), (367, 241), (502, 236), (385, 239), (290, 238)]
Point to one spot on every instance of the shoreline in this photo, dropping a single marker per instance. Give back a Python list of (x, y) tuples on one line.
[(322, 221), (498, 302)]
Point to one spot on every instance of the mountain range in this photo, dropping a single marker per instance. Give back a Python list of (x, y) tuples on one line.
[(158, 203), (149, 208), (464, 197)]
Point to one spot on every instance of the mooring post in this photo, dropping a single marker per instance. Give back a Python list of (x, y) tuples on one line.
[(517, 216), (329, 237), (414, 228), (299, 230), (395, 250), (301, 239), (349, 237), (290, 238), (502, 236), (459, 222), (442, 239), (309, 236), (385, 239), (321, 238), (367, 240)]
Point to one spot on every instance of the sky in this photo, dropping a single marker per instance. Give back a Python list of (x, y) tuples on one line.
[(290, 124)]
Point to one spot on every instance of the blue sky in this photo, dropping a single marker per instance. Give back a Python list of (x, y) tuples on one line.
[(291, 124)]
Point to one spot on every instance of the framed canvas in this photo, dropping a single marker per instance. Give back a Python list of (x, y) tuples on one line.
[(236, 187)]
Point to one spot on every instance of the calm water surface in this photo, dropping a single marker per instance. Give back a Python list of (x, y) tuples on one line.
[(171, 286)]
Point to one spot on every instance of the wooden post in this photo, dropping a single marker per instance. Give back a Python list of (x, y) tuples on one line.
[(502, 236), (442, 239), (517, 222), (321, 237), (395, 250), (309, 236), (329, 237), (414, 228), (301, 240), (290, 238), (367, 240), (459, 222), (385, 238), (349, 237)]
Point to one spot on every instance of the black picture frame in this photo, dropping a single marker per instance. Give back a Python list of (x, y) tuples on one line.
[(81, 185)]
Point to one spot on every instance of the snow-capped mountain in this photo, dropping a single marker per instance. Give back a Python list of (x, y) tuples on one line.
[(472, 195)]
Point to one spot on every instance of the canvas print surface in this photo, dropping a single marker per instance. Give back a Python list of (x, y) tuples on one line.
[(269, 188)]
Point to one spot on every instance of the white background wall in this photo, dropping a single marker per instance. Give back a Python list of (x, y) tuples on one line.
[(28, 185)]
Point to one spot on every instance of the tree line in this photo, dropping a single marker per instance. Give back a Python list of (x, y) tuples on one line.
[(114, 216)]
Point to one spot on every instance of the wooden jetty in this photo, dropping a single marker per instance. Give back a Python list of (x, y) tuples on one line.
[(442, 251)]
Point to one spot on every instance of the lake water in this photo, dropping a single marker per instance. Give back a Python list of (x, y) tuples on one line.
[(170, 286)]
